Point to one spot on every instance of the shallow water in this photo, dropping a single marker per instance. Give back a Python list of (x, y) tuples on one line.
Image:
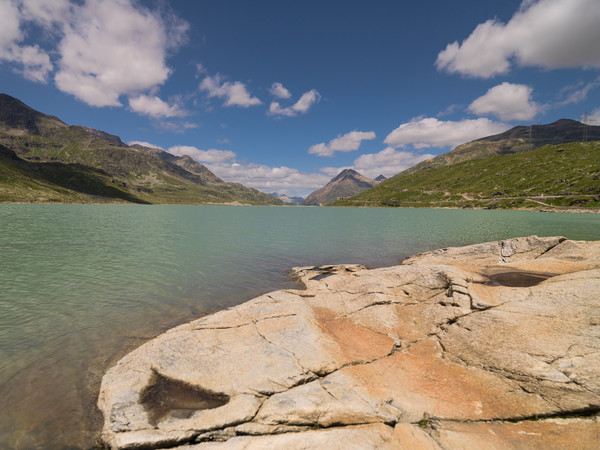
[(81, 285)]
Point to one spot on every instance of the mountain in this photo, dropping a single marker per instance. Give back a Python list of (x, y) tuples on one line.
[(550, 176), (62, 163), (346, 184), (522, 138), (287, 199), (380, 178)]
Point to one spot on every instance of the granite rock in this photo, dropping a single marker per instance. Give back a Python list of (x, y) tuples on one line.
[(455, 348)]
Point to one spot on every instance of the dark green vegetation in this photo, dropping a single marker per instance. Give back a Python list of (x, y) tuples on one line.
[(42, 159), (565, 175)]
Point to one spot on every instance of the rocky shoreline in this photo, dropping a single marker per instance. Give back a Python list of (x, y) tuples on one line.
[(493, 345)]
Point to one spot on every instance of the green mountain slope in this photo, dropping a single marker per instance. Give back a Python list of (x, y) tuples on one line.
[(552, 175), (31, 182), (516, 140), (92, 165)]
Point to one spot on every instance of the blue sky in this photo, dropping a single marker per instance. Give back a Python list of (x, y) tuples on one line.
[(282, 95)]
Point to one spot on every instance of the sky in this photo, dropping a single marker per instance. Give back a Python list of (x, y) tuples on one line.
[(282, 95)]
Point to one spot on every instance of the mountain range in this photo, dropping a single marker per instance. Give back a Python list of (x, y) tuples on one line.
[(529, 167), (288, 199), (42, 159)]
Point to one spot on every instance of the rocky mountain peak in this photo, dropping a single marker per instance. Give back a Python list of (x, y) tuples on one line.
[(345, 184)]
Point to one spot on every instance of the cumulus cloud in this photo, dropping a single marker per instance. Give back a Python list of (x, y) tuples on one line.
[(594, 117), (507, 101), (300, 107), (151, 105), (113, 47), (29, 60), (145, 144), (234, 93), (431, 132), (343, 143), (543, 33), (106, 48), (279, 91), (35, 61), (388, 162), (10, 32), (202, 156), (44, 12), (270, 179)]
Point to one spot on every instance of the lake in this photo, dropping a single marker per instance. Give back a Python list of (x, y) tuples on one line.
[(82, 285)]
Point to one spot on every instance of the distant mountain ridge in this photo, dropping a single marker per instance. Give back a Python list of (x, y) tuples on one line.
[(76, 163), (287, 199), (345, 184)]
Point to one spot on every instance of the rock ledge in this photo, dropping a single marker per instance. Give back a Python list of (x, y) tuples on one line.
[(493, 345)]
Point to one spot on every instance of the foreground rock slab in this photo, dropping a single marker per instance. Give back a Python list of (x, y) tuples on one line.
[(494, 345)]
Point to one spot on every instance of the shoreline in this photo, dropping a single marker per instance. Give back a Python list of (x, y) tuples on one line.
[(307, 353), (545, 210)]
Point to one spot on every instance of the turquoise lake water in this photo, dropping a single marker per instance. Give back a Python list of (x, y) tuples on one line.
[(81, 285)]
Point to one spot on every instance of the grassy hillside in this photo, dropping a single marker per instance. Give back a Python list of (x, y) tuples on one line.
[(46, 160), (552, 175), (519, 139)]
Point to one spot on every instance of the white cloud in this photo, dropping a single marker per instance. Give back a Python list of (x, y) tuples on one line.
[(115, 47), (507, 101), (176, 127), (234, 93), (31, 61), (594, 117), (306, 101), (300, 107), (578, 92), (431, 132), (200, 69), (10, 31), (543, 33), (153, 106), (103, 48), (388, 162), (35, 61), (202, 156), (45, 12), (279, 91), (145, 144), (343, 143), (270, 179), (332, 172)]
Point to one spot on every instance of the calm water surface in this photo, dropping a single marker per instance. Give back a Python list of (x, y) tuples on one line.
[(81, 285)]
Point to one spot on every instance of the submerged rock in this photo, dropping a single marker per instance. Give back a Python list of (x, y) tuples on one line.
[(460, 347)]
